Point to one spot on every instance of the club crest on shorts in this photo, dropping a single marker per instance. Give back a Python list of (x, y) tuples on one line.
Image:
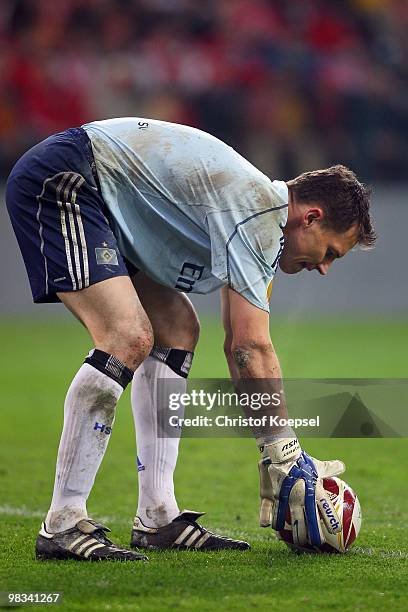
[(105, 256)]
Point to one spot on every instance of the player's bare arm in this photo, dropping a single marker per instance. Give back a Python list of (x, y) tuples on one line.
[(251, 345), (249, 350), (254, 367)]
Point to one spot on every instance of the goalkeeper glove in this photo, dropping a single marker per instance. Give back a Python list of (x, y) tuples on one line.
[(290, 478)]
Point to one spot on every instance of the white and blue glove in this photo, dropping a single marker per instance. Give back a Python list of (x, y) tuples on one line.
[(291, 479)]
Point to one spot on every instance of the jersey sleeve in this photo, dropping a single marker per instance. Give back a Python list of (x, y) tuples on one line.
[(248, 259)]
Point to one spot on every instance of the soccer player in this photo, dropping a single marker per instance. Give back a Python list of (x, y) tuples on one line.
[(120, 220)]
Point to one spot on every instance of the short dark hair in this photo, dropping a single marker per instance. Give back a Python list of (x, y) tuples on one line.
[(345, 201)]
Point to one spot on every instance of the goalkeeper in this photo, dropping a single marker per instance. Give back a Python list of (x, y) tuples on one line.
[(120, 220)]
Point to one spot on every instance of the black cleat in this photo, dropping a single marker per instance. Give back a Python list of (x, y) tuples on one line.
[(86, 541), (183, 533)]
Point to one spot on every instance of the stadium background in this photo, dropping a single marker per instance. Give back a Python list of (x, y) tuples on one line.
[(293, 86)]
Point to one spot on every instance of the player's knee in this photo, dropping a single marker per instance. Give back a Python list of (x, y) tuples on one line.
[(139, 341), (131, 341), (176, 324)]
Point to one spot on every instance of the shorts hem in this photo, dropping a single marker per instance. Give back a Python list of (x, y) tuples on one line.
[(52, 297)]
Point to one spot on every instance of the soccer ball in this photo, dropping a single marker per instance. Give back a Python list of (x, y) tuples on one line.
[(348, 508)]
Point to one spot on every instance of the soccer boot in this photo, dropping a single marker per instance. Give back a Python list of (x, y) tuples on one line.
[(183, 533), (86, 541)]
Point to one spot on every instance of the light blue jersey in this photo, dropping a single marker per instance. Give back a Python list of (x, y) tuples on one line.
[(187, 209)]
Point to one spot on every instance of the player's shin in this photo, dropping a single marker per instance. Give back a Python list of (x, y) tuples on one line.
[(157, 452), (89, 413)]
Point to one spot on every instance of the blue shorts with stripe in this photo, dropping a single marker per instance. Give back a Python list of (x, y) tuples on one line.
[(60, 219)]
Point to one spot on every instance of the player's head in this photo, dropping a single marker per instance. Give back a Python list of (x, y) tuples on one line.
[(328, 215)]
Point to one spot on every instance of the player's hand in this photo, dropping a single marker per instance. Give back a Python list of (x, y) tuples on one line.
[(290, 478)]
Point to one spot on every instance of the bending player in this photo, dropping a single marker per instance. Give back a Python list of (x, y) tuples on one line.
[(119, 220)]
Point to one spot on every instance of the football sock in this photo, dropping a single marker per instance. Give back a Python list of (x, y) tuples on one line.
[(89, 413), (157, 456)]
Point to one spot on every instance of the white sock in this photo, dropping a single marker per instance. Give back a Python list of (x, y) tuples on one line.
[(89, 414), (157, 457)]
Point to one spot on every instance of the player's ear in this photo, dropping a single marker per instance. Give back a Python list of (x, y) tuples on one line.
[(313, 215)]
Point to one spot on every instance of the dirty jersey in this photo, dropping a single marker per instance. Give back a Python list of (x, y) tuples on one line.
[(187, 209)]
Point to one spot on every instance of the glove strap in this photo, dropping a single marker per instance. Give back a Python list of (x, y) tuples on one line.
[(306, 470), (281, 450)]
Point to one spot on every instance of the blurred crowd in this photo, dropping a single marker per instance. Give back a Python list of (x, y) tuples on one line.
[(292, 84)]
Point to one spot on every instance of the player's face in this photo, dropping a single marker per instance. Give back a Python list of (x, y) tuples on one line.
[(309, 245)]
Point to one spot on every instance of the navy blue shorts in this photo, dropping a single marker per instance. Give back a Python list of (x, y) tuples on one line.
[(60, 219)]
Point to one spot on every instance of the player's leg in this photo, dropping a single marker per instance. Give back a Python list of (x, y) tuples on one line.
[(159, 523), (122, 338), (71, 255), (176, 330)]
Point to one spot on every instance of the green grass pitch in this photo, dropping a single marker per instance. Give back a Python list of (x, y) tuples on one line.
[(37, 362)]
